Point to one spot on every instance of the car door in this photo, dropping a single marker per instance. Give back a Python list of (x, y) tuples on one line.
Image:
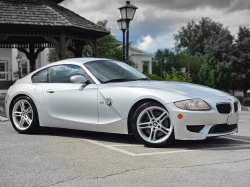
[(70, 101)]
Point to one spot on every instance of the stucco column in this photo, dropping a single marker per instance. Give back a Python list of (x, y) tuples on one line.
[(140, 66), (13, 62), (42, 59), (150, 67)]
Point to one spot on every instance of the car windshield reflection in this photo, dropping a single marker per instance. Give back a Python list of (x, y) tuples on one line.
[(112, 71)]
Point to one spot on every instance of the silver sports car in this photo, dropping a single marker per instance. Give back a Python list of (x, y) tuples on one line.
[(108, 96)]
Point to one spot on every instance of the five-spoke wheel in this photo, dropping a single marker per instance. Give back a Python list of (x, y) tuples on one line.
[(152, 125), (23, 115)]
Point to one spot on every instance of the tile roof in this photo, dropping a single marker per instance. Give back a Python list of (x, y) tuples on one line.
[(40, 13), (59, 1)]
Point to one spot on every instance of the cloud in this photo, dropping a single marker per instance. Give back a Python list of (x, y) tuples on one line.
[(238, 5), (159, 42), (145, 44), (187, 4), (157, 20)]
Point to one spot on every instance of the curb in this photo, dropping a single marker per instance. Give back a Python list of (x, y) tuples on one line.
[(3, 119)]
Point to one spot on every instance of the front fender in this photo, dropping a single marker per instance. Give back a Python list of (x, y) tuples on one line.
[(125, 98)]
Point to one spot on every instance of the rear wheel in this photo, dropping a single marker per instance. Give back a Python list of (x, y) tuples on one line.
[(23, 115), (152, 126)]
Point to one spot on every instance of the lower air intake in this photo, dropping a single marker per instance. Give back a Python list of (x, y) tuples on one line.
[(222, 128), (195, 128)]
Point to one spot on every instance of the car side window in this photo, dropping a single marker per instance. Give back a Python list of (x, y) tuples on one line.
[(63, 73), (40, 77)]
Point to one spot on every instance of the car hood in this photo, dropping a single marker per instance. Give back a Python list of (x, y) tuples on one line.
[(180, 88)]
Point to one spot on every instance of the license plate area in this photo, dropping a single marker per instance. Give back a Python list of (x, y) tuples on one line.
[(232, 118)]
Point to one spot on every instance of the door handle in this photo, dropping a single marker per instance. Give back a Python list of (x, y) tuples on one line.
[(50, 91)]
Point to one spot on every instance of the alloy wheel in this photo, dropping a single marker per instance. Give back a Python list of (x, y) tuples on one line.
[(154, 124), (22, 114)]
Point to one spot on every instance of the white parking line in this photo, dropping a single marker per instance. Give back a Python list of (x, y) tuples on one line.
[(183, 151), (163, 152), (125, 145), (109, 147), (244, 120)]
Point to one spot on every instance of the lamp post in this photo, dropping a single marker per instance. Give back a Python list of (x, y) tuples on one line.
[(123, 27), (127, 13), (18, 59), (163, 58), (188, 56)]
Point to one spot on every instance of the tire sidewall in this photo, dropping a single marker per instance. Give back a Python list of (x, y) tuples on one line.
[(168, 141), (34, 127)]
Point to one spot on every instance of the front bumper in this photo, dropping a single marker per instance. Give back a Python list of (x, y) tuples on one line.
[(198, 125)]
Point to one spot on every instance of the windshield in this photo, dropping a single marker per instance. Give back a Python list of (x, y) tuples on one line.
[(107, 70)]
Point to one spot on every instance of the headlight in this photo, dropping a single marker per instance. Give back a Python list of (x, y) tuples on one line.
[(192, 104)]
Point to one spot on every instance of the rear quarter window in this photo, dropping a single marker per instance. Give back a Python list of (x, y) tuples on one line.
[(40, 77)]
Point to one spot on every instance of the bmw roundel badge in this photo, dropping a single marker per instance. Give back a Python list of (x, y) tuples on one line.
[(109, 102)]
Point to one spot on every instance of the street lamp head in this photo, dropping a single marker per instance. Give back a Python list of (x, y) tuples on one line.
[(122, 24), (18, 58), (128, 11)]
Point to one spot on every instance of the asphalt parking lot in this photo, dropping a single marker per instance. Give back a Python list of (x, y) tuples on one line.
[(59, 157)]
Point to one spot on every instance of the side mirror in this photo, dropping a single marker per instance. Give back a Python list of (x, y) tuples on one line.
[(78, 79)]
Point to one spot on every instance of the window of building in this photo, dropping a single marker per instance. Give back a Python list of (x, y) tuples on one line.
[(3, 70)]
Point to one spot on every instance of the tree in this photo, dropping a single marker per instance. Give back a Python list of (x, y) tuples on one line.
[(195, 64), (177, 76), (196, 35), (215, 71), (214, 42), (240, 60), (177, 61), (163, 60)]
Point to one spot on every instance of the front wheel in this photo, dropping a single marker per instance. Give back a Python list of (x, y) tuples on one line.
[(23, 115), (152, 126)]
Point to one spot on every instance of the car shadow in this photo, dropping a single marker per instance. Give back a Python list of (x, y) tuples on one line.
[(97, 136), (217, 143)]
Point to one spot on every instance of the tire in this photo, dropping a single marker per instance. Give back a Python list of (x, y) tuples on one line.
[(152, 126), (24, 116)]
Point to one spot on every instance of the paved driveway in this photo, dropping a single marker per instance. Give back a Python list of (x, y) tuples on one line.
[(58, 157)]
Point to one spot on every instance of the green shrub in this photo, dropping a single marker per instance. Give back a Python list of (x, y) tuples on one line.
[(177, 76), (153, 77)]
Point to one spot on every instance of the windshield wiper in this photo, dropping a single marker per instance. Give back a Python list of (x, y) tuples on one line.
[(124, 80), (143, 79), (119, 80)]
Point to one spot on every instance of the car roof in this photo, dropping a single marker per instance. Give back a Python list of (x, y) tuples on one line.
[(82, 60), (79, 61)]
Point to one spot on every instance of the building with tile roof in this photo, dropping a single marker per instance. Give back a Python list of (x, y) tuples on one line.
[(28, 27)]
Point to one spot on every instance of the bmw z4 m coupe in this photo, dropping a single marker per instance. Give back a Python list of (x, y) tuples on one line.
[(108, 96)]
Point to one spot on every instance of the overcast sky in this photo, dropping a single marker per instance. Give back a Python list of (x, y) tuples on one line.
[(156, 21)]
